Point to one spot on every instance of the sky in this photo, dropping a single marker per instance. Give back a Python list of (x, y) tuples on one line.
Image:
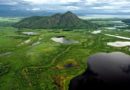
[(117, 8)]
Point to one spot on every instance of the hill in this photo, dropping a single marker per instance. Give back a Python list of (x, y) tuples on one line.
[(67, 20), (127, 21)]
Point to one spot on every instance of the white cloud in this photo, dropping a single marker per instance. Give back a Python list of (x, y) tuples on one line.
[(125, 11), (8, 2), (91, 2), (81, 6), (39, 2), (35, 9), (62, 8), (72, 8), (121, 2), (107, 7)]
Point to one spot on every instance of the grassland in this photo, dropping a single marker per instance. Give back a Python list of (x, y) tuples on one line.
[(45, 66), (4, 21)]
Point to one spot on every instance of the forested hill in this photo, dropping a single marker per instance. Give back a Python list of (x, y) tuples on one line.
[(127, 21), (67, 20)]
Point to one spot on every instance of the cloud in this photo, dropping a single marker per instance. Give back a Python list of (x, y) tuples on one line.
[(125, 11), (8, 2), (79, 6), (110, 7), (40, 2), (104, 7), (33, 9), (72, 8)]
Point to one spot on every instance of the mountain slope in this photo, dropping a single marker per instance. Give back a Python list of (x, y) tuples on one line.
[(66, 21), (127, 21)]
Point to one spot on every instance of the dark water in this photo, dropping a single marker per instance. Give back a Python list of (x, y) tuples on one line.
[(113, 66), (69, 65), (105, 70)]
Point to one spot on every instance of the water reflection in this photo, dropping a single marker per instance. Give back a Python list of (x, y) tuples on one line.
[(105, 70)]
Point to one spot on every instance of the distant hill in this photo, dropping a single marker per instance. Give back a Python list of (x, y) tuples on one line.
[(67, 20), (127, 21)]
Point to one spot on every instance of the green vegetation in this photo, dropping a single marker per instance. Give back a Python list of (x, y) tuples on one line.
[(126, 21), (48, 65), (63, 21), (107, 22), (8, 21)]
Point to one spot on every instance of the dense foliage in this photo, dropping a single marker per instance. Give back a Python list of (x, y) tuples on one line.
[(66, 21), (126, 21)]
